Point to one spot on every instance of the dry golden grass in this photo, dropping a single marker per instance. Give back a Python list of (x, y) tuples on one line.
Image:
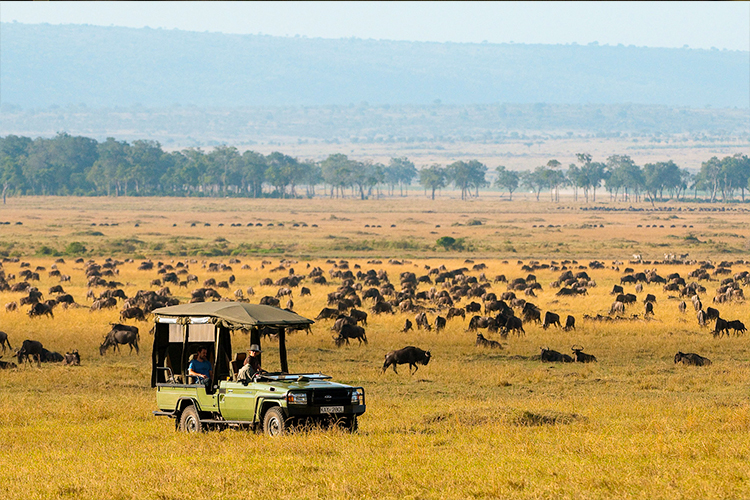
[(473, 423)]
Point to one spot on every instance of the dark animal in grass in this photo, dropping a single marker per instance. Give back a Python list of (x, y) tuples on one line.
[(304, 291), (270, 301), (548, 355), (407, 326), (349, 331), (132, 313), (30, 350), (570, 323), (691, 359), (342, 320), (358, 316), (382, 307), (4, 340), (327, 313), (551, 318), (454, 312), (104, 303), (617, 308), (120, 334), (51, 356), (7, 365), (649, 298), (721, 327), (617, 289), (736, 325), (439, 323), (473, 307), (682, 306), (72, 358), (513, 324), (411, 355), (649, 309), (582, 357), (711, 313), (66, 299), (483, 342), (11, 306), (422, 322), (40, 309)]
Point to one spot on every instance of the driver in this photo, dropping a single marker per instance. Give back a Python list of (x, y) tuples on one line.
[(199, 367)]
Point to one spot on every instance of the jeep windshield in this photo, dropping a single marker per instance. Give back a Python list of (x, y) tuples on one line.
[(291, 377)]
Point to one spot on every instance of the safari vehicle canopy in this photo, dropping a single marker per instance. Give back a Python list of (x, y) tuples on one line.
[(181, 330)]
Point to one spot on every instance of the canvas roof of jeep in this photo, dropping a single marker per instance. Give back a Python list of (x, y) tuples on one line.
[(234, 314)]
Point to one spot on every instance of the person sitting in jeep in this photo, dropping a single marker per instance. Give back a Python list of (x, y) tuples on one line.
[(199, 367), (251, 366)]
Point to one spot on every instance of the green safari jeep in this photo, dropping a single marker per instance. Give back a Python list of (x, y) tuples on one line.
[(273, 401)]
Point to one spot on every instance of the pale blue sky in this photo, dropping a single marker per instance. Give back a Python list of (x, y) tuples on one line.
[(724, 25)]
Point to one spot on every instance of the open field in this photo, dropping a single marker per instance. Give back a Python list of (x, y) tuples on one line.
[(474, 423)]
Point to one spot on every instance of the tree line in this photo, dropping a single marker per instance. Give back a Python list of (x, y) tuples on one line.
[(76, 165)]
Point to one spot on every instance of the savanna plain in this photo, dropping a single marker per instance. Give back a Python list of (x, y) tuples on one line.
[(473, 423)]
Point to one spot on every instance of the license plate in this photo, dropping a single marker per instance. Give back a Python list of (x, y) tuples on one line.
[(331, 409)]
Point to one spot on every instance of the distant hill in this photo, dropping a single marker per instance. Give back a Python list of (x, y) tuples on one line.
[(43, 65)]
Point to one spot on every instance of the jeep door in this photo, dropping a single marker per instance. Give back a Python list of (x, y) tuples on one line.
[(237, 401)]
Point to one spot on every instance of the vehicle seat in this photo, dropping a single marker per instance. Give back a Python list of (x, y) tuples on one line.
[(237, 362)]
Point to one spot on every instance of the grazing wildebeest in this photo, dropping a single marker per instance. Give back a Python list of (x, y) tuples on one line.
[(649, 309), (439, 323), (616, 290), (132, 313), (7, 365), (382, 307), (30, 348), (304, 291), (650, 298), (407, 326), (617, 308), (691, 359), (513, 323), (582, 357), (411, 355), (472, 307), (721, 327), (711, 313), (328, 313), (422, 322), (551, 318), (358, 316), (342, 320), (349, 331), (736, 325), (72, 358), (483, 342), (554, 356), (11, 306), (270, 301), (701, 317), (456, 311), (120, 334), (682, 307), (40, 309), (570, 323), (4, 340)]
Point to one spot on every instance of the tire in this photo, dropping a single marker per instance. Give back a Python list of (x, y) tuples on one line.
[(274, 422), (190, 421)]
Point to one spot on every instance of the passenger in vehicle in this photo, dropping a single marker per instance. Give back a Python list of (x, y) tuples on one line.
[(199, 367), (251, 366)]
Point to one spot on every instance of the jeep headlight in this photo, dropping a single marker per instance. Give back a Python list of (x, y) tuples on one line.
[(358, 396), (296, 398)]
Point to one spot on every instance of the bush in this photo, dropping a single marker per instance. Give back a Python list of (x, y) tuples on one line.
[(450, 243), (75, 248)]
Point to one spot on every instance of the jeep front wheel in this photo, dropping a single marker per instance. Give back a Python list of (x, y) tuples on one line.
[(190, 421), (274, 423)]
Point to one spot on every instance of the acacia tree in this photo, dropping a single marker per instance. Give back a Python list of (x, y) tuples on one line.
[(433, 178), (467, 176), (507, 179), (535, 180)]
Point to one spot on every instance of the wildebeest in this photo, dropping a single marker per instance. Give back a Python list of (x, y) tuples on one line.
[(736, 325), (11, 306), (304, 291), (721, 327), (617, 308), (422, 322), (513, 324), (649, 309), (570, 323), (617, 289), (407, 326), (72, 358), (472, 307), (132, 313), (711, 313), (456, 311), (51, 356), (327, 313), (582, 357), (382, 307), (120, 334), (349, 331), (358, 316), (410, 354), (30, 349), (691, 359), (270, 301), (7, 365), (650, 298), (4, 340), (439, 323), (553, 356), (483, 342), (551, 318), (40, 309), (682, 306)]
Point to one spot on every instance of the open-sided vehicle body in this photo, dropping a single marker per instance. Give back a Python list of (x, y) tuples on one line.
[(273, 400)]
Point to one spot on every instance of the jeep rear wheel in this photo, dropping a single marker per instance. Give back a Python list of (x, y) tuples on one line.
[(274, 423), (190, 421)]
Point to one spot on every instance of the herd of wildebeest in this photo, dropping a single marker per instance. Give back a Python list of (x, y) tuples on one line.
[(465, 292)]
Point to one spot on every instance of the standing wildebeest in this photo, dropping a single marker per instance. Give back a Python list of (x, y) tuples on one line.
[(513, 323), (682, 307), (30, 348), (570, 323), (327, 313), (483, 342), (4, 340), (551, 318), (349, 331), (439, 323), (358, 316), (407, 326), (411, 355), (72, 358), (582, 357), (722, 326), (120, 334), (554, 356), (456, 311), (649, 309), (736, 325), (617, 308), (422, 322), (691, 359), (711, 313), (40, 309), (132, 313)]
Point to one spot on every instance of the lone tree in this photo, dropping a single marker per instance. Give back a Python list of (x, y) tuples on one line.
[(432, 178), (507, 179)]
